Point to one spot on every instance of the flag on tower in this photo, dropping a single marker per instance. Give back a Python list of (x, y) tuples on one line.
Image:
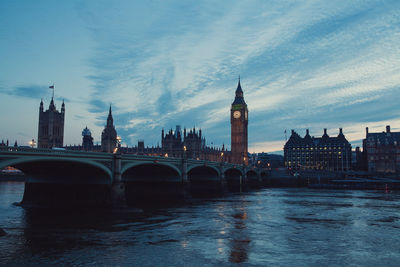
[(51, 86)]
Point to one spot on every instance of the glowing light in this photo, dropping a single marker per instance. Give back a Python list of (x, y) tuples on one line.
[(184, 148), (166, 155), (32, 143)]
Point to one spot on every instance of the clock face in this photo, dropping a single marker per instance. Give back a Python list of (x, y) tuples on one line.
[(236, 114)]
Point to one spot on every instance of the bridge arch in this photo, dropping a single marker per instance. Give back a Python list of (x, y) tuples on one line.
[(147, 182), (150, 163), (204, 180), (251, 173), (252, 178), (235, 179), (203, 167), (59, 167)]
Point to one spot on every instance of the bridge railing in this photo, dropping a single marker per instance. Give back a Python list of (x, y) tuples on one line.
[(51, 151), (66, 152)]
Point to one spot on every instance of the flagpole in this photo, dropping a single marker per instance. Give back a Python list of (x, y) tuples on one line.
[(52, 87)]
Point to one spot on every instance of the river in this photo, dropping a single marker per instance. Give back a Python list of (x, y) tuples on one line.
[(287, 227)]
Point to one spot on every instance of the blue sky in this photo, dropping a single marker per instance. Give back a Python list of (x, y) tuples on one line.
[(303, 64)]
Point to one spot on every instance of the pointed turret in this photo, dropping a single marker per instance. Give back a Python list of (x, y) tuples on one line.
[(52, 107), (239, 95), (63, 107), (239, 91), (110, 118), (109, 135), (41, 105)]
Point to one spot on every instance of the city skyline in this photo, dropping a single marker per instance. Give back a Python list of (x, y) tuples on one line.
[(303, 65)]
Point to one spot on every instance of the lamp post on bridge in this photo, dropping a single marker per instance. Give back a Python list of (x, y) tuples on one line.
[(32, 143)]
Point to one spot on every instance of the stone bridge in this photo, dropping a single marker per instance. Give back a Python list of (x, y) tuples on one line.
[(56, 175)]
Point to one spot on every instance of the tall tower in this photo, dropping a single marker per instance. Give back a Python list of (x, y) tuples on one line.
[(51, 126), (109, 135), (239, 122)]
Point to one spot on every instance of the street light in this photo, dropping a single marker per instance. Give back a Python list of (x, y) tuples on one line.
[(32, 143)]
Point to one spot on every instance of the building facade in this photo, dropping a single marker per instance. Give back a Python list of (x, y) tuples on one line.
[(51, 126), (190, 144), (109, 135), (318, 153), (239, 125), (381, 151)]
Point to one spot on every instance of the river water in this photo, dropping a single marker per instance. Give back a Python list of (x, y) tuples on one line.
[(288, 227)]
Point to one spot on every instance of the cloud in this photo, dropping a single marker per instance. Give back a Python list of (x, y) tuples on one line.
[(303, 64), (31, 91)]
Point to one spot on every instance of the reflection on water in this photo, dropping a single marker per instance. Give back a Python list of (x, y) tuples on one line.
[(272, 226), (239, 245)]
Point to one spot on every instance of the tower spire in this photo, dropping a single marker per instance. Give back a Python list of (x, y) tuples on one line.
[(110, 118)]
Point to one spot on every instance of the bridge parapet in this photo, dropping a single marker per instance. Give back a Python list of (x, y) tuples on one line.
[(41, 151)]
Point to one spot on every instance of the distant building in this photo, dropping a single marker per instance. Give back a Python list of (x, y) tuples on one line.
[(266, 160), (318, 153), (87, 140), (190, 144), (381, 151), (4, 144), (51, 126), (109, 135)]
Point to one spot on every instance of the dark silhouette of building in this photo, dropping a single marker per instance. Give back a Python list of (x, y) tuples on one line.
[(4, 144), (239, 123), (190, 144), (87, 140), (51, 126), (318, 153), (266, 160), (109, 135), (381, 152)]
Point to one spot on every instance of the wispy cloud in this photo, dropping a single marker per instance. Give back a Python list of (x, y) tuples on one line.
[(300, 62)]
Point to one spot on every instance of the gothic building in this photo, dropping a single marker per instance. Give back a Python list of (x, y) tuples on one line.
[(318, 153), (190, 144), (87, 140), (381, 151), (239, 123), (109, 135), (51, 126)]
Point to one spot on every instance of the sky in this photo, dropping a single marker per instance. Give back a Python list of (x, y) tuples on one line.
[(303, 65)]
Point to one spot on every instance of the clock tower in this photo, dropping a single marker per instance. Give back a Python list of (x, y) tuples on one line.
[(239, 122)]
